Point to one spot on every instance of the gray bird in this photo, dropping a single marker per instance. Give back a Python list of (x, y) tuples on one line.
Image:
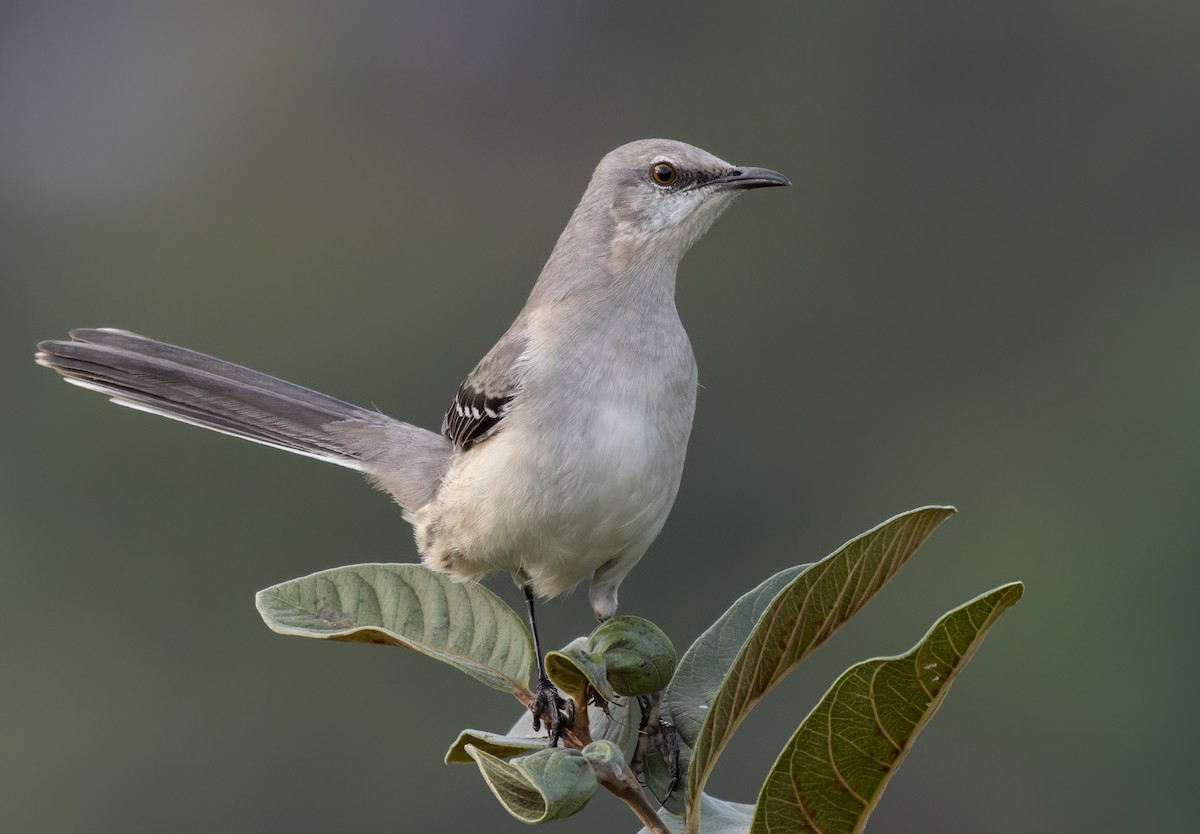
[(561, 454)]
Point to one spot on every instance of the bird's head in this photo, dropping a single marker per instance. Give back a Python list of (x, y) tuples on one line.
[(663, 195)]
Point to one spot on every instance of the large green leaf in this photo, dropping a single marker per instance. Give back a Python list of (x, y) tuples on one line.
[(800, 617), (462, 624), (832, 772), (703, 666), (550, 784), (686, 700)]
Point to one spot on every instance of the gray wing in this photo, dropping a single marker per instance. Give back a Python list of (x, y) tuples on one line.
[(484, 398)]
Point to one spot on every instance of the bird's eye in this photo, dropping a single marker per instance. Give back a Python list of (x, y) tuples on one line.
[(663, 173)]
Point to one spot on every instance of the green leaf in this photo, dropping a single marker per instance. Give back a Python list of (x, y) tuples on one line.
[(801, 617), (605, 757), (550, 784), (617, 725), (616, 721), (576, 664), (719, 817), (638, 656), (462, 624), (623, 656), (656, 773), (704, 665), (500, 746), (832, 772)]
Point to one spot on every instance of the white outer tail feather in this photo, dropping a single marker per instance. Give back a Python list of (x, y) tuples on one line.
[(115, 397)]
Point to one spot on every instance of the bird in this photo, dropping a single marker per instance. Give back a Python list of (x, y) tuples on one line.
[(560, 454)]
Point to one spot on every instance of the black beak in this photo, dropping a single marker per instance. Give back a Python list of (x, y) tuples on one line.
[(740, 178)]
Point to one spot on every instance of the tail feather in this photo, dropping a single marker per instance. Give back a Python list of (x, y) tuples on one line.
[(204, 420), (123, 340), (210, 393), (203, 391)]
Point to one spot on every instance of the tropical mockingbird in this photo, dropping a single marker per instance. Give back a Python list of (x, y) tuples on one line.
[(560, 455)]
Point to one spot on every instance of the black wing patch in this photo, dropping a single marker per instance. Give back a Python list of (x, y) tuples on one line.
[(473, 416)]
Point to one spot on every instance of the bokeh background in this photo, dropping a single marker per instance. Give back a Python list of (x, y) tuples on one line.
[(981, 290)]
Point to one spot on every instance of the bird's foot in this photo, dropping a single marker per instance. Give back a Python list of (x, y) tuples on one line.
[(557, 712)]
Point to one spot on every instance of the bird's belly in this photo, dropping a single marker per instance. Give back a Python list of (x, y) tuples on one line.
[(557, 507)]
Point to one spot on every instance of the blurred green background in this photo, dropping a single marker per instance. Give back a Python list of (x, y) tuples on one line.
[(981, 290)]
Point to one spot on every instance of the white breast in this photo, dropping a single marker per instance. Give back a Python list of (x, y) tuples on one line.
[(566, 486)]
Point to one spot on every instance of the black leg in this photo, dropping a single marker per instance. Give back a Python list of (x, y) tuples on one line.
[(537, 643), (672, 743), (654, 729), (548, 705)]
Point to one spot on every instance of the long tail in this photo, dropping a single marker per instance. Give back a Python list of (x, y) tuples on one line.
[(203, 391)]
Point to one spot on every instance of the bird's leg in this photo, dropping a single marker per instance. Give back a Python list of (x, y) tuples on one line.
[(638, 760), (671, 736), (654, 729), (548, 705)]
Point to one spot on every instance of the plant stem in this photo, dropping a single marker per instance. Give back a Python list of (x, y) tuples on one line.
[(625, 786)]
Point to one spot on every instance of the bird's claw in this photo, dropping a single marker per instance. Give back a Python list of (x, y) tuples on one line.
[(557, 712)]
